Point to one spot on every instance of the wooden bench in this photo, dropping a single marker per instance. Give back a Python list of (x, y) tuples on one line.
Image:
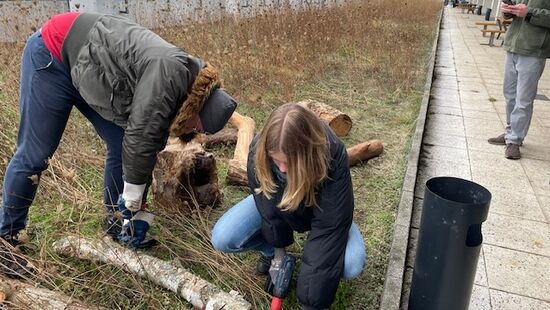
[(486, 24), (468, 7), (492, 34)]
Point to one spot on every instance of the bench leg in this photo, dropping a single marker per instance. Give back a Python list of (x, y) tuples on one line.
[(484, 28), (491, 39)]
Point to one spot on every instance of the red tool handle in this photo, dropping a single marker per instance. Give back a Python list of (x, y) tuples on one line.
[(276, 303)]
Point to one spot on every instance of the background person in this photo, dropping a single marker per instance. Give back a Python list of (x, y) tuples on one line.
[(527, 44)]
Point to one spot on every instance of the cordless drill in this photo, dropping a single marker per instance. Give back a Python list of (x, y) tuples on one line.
[(280, 286)]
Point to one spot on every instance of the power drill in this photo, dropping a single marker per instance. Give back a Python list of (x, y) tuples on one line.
[(280, 286)]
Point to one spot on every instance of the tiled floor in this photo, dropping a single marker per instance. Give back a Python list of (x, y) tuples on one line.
[(466, 108)]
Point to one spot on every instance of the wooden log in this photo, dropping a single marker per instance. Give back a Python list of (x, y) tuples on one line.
[(356, 155), (236, 173), (227, 136), (200, 293), (185, 174), (339, 122), (21, 295), (364, 151)]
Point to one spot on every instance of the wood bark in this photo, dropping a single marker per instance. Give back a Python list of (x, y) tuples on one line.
[(21, 295), (339, 122), (356, 154), (236, 173), (200, 293), (184, 174), (364, 151), (227, 136)]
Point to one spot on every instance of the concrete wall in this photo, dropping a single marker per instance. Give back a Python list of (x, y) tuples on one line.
[(19, 18)]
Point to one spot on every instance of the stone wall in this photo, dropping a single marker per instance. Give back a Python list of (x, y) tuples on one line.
[(19, 18)]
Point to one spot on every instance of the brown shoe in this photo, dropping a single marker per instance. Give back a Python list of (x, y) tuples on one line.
[(500, 140), (497, 140), (512, 151)]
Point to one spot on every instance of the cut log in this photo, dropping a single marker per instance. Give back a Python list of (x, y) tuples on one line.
[(21, 295), (185, 174), (356, 154), (339, 122), (227, 136), (200, 293), (236, 173), (364, 151)]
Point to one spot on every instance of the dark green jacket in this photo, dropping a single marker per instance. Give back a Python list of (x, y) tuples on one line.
[(132, 77), (530, 36)]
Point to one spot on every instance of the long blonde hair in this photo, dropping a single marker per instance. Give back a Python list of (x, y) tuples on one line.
[(299, 134)]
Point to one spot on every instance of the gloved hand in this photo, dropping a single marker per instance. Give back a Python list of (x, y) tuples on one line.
[(132, 195), (276, 263), (134, 227)]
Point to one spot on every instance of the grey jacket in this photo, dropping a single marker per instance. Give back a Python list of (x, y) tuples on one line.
[(132, 77)]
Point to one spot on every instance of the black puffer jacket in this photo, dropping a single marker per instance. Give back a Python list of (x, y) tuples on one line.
[(328, 225)]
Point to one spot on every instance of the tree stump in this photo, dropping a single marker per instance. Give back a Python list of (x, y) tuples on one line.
[(185, 174), (339, 122)]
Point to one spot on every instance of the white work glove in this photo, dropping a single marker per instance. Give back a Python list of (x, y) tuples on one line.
[(276, 263), (132, 195)]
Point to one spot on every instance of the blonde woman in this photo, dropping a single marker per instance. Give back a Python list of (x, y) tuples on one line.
[(299, 175)]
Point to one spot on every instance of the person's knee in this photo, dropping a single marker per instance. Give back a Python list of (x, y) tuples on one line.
[(354, 266), (221, 240)]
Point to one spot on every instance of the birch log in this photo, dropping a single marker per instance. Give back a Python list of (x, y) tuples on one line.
[(236, 173), (339, 122), (21, 295), (200, 293)]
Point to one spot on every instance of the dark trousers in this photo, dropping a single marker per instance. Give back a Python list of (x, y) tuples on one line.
[(47, 97)]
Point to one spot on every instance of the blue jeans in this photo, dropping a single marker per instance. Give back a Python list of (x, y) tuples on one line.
[(47, 97), (238, 230)]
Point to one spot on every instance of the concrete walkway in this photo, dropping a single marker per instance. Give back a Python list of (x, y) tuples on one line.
[(466, 108)]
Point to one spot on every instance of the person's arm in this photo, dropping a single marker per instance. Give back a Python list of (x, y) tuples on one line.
[(323, 258), (162, 87), (538, 17), (275, 230)]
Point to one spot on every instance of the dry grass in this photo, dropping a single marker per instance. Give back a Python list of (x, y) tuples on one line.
[(367, 59)]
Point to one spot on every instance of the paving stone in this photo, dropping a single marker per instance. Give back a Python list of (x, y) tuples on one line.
[(515, 233), (447, 110), (480, 299), (475, 127), (519, 205), (445, 139), (484, 115), (444, 124), (481, 273), (517, 272), (496, 181), (506, 301)]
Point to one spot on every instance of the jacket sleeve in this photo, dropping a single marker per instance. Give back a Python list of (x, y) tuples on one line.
[(161, 89), (323, 258), (540, 17), (275, 230)]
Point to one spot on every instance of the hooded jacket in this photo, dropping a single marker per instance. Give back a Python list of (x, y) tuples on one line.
[(530, 35), (328, 224), (134, 78)]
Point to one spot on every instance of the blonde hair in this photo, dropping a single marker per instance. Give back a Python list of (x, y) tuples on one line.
[(299, 134)]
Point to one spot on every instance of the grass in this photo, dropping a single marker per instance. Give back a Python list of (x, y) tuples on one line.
[(368, 59)]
